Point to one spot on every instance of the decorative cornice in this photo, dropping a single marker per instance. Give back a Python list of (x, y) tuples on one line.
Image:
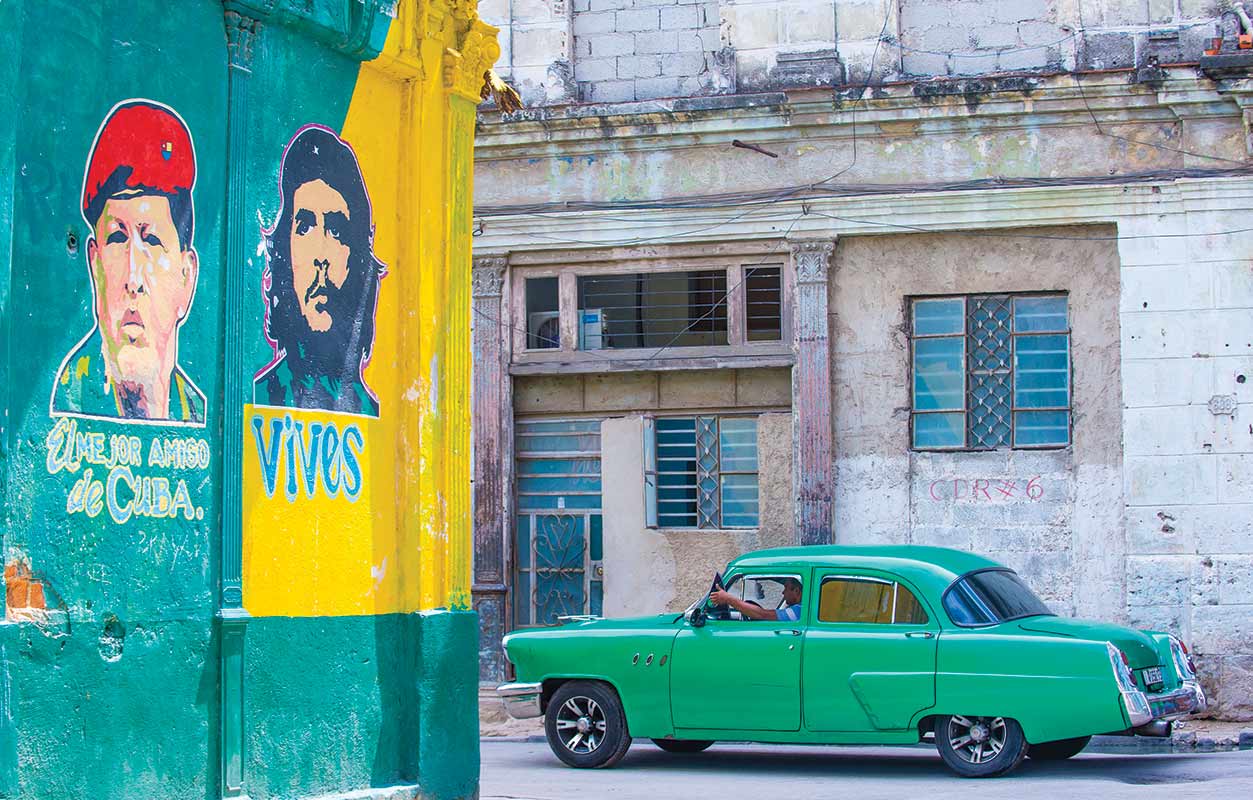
[(464, 67), (813, 259), (241, 32), (488, 276), (895, 110)]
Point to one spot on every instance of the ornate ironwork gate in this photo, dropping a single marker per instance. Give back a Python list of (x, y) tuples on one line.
[(557, 535)]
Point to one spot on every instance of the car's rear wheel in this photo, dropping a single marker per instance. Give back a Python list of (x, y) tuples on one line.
[(979, 747), (586, 726), (1058, 750), (683, 745)]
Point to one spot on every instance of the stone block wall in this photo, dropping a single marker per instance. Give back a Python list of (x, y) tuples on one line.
[(536, 48), (612, 51), (645, 49), (973, 37), (1187, 350)]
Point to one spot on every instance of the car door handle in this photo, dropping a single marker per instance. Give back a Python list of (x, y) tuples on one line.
[(919, 635), (787, 633)]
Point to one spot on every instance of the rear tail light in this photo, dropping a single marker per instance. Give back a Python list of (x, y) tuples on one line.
[(1133, 700), (1122, 668), (1183, 660)]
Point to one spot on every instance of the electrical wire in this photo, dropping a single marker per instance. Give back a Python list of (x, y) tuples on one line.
[(1074, 75), (861, 93)]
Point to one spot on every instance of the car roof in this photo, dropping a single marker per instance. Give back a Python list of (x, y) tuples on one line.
[(930, 568)]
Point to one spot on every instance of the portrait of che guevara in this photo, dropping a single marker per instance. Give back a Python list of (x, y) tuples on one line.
[(321, 281), (142, 269)]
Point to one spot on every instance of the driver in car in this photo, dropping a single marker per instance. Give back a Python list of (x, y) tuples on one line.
[(790, 611)]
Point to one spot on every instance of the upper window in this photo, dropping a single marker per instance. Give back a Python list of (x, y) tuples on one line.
[(990, 371), (653, 309), (701, 472), (868, 600), (543, 323), (763, 304)]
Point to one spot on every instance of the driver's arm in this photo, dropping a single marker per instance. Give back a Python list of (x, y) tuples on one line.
[(750, 610)]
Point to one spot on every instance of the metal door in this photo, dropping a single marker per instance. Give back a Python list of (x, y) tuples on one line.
[(557, 534)]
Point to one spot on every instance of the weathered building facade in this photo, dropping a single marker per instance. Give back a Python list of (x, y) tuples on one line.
[(235, 243), (976, 274)]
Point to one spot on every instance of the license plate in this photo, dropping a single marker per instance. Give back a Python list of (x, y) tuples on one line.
[(1153, 675)]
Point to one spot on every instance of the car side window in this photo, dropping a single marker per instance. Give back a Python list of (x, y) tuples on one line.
[(868, 600), (765, 591)]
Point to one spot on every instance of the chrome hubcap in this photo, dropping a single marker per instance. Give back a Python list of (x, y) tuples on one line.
[(976, 740), (581, 725)]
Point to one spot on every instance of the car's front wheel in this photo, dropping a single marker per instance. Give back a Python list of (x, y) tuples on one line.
[(586, 726), (979, 747), (1058, 750), (683, 745)]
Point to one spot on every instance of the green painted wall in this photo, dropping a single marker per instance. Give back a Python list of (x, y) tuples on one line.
[(110, 682)]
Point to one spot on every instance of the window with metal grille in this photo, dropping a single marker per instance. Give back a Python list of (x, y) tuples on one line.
[(653, 309), (701, 472), (990, 371), (763, 304)]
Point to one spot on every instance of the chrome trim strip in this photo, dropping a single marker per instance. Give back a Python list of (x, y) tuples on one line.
[(521, 700)]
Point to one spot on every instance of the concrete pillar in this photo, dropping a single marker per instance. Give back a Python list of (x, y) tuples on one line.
[(493, 459), (812, 435)]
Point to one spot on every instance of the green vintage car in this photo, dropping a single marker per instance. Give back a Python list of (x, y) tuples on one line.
[(887, 645)]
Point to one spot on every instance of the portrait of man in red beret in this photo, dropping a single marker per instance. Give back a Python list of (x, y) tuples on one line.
[(321, 280), (142, 268)]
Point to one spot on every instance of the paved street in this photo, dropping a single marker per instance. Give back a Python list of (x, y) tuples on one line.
[(529, 771)]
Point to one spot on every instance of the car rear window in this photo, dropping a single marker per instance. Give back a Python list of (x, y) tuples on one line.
[(992, 596)]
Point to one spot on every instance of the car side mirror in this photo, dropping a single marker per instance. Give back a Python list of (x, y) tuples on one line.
[(696, 617)]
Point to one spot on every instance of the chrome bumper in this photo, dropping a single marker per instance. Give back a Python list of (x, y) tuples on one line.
[(1143, 709), (522, 700), (1187, 699)]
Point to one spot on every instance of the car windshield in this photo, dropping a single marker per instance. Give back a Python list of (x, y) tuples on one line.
[(985, 598)]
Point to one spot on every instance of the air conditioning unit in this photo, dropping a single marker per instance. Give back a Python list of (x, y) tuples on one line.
[(543, 330), (592, 329)]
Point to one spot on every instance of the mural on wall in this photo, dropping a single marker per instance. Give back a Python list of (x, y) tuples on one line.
[(142, 269), (314, 411), (321, 281)]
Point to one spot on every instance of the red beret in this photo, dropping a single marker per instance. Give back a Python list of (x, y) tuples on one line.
[(151, 140)]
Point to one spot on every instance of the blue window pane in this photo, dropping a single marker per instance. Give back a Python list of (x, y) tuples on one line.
[(596, 602), (522, 599), (559, 466), (596, 550), (938, 380), (522, 545), (932, 317), (1041, 428), (939, 430), (739, 501), (531, 502), (1042, 371), (1040, 314), (737, 443), (558, 485)]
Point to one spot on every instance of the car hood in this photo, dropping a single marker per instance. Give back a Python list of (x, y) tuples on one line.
[(1140, 649)]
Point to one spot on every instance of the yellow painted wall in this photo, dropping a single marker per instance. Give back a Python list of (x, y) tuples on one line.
[(403, 543)]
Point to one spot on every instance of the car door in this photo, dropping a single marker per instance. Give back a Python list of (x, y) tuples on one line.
[(868, 662), (738, 674)]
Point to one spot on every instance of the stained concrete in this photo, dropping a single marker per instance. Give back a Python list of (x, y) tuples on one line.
[(1056, 516)]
